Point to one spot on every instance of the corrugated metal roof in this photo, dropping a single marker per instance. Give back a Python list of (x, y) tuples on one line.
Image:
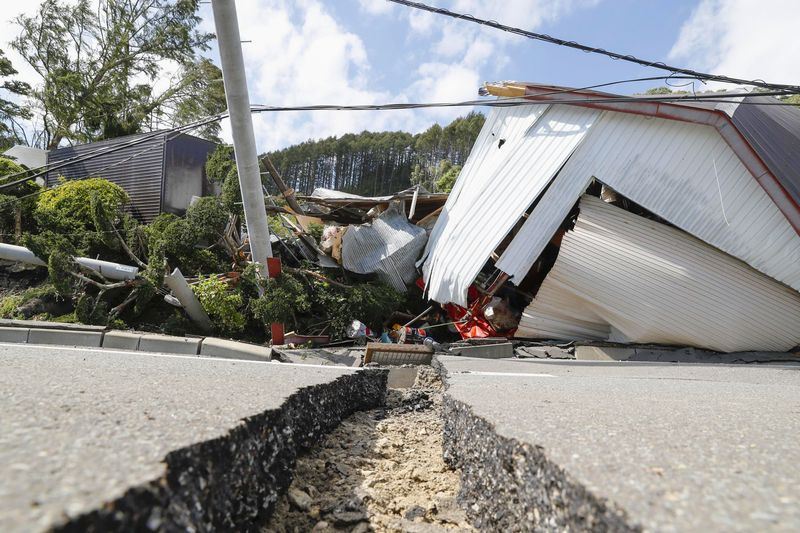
[(388, 246), (517, 153), (137, 169), (625, 278), (764, 137), (687, 174), (774, 133)]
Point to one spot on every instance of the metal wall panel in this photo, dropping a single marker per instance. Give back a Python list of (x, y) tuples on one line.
[(688, 175), (137, 169), (388, 246), (548, 215), (498, 184), (625, 278)]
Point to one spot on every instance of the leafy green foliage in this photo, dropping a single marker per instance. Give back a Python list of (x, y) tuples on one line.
[(9, 305), (283, 300), (222, 304), (315, 230), (18, 198), (208, 218), (91, 56), (204, 81), (177, 240), (59, 266), (448, 175), (68, 207), (11, 112)]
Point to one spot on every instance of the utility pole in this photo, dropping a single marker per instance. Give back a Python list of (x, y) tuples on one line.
[(244, 142)]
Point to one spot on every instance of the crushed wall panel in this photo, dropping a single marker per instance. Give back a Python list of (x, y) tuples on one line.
[(688, 175), (625, 278), (516, 155)]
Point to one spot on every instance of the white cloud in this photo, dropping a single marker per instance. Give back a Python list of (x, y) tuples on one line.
[(376, 7), (300, 53), (738, 39)]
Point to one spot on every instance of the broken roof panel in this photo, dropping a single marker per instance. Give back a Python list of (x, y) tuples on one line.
[(517, 153), (624, 278), (774, 133)]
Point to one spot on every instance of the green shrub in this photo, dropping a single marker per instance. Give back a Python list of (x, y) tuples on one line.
[(284, 298), (68, 206), (221, 304), (208, 218), (9, 305)]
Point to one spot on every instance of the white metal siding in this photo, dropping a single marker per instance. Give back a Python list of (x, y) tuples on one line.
[(542, 224), (687, 174), (496, 187), (622, 277)]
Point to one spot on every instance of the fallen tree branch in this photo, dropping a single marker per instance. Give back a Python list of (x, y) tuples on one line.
[(317, 276)]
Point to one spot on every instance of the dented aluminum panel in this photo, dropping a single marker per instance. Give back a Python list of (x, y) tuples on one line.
[(517, 153), (388, 246), (688, 175), (624, 278)]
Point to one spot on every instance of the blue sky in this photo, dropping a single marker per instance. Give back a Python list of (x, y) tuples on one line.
[(371, 51)]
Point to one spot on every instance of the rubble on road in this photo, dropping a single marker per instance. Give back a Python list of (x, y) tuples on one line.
[(380, 470)]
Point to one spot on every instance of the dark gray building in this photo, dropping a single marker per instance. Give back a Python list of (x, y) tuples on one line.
[(160, 174)]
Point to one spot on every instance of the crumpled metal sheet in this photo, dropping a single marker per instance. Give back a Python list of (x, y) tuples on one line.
[(517, 154), (624, 278), (388, 246)]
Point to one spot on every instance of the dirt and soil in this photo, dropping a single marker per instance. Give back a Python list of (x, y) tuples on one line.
[(380, 470)]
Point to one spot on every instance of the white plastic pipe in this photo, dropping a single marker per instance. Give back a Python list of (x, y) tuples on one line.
[(183, 292), (244, 143), (110, 270)]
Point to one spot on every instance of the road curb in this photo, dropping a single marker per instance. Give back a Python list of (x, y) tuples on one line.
[(55, 333)]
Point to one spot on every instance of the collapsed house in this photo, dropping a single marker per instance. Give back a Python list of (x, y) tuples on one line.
[(703, 250)]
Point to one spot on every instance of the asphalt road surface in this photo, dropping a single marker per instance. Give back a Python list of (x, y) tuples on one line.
[(78, 427), (679, 447)]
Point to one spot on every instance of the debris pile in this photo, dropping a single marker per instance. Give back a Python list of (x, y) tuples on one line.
[(590, 222)]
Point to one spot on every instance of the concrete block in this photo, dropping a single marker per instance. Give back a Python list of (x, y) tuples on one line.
[(603, 353), (488, 351), (14, 334), (167, 344), (122, 340), (65, 337), (543, 352), (213, 347)]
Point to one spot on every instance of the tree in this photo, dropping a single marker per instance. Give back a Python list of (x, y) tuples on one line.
[(379, 163), (204, 96), (11, 111), (96, 64)]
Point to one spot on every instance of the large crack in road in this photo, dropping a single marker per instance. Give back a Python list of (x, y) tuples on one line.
[(381, 470)]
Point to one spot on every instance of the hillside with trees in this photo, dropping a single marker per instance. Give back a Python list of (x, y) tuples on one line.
[(372, 163)]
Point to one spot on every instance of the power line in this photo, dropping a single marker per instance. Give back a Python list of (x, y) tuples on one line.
[(44, 169), (498, 102), (591, 49), (524, 101)]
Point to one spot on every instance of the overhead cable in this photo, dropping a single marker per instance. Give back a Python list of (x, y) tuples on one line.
[(591, 49)]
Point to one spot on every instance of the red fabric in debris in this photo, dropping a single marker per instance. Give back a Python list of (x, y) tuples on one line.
[(475, 325)]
